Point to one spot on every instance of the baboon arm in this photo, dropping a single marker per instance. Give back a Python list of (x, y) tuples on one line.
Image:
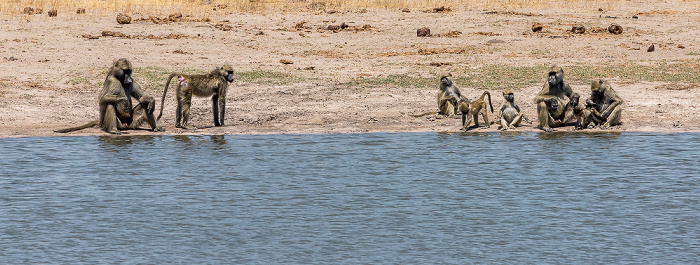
[(111, 99), (570, 93), (544, 94), (136, 92), (616, 102)]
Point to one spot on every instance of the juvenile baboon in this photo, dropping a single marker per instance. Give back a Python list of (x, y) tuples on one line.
[(587, 117), (604, 100), (448, 98), (509, 114), (472, 111), (213, 84), (552, 108), (116, 111)]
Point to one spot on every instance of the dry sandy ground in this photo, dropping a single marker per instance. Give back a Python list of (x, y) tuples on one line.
[(52, 70)]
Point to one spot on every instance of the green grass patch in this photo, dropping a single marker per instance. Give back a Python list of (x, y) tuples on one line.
[(501, 77)]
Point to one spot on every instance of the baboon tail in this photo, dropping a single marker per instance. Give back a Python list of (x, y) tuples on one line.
[(165, 91), (84, 126), (423, 114), (488, 94)]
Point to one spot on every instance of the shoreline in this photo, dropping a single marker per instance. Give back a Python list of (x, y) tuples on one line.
[(302, 78)]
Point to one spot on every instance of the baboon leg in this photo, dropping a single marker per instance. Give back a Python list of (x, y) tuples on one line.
[(486, 118), (110, 123), (215, 109), (516, 121), (222, 107), (614, 118), (504, 124), (464, 120), (543, 116), (476, 120), (469, 121), (178, 115), (184, 99), (446, 107)]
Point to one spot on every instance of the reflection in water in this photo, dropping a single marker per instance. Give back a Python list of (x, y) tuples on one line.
[(532, 198), (587, 134)]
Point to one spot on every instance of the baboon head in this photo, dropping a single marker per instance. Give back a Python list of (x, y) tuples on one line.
[(555, 76), (599, 86), (122, 70), (508, 95), (554, 104), (445, 80), (227, 71)]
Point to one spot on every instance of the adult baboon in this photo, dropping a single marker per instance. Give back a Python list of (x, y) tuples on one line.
[(448, 98), (472, 110), (116, 111), (552, 108), (606, 101), (213, 84), (509, 114), (587, 117)]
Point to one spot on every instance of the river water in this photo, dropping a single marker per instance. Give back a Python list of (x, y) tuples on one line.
[(377, 198)]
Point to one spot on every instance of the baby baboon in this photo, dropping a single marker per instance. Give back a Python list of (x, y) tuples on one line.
[(116, 112), (472, 110), (448, 98), (213, 84), (509, 114), (604, 100), (552, 108), (587, 117)]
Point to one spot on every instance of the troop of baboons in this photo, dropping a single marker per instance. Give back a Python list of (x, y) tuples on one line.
[(557, 105), (602, 109)]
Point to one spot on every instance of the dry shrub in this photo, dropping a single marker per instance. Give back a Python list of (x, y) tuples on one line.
[(174, 17), (451, 34), (490, 34), (578, 29), (116, 34), (438, 64), (53, 13), (345, 27)]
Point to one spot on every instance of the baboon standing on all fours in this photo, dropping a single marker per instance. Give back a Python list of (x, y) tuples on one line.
[(213, 84), (606, 102), (509, 114), (552, 108), (116, 110), (470, 111)]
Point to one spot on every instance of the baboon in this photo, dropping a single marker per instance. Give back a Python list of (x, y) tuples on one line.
[(116, 111), (509, 114), (587, 117), (604, 100), (472, 110), (213, 84), (448, 98), (552, 108)]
